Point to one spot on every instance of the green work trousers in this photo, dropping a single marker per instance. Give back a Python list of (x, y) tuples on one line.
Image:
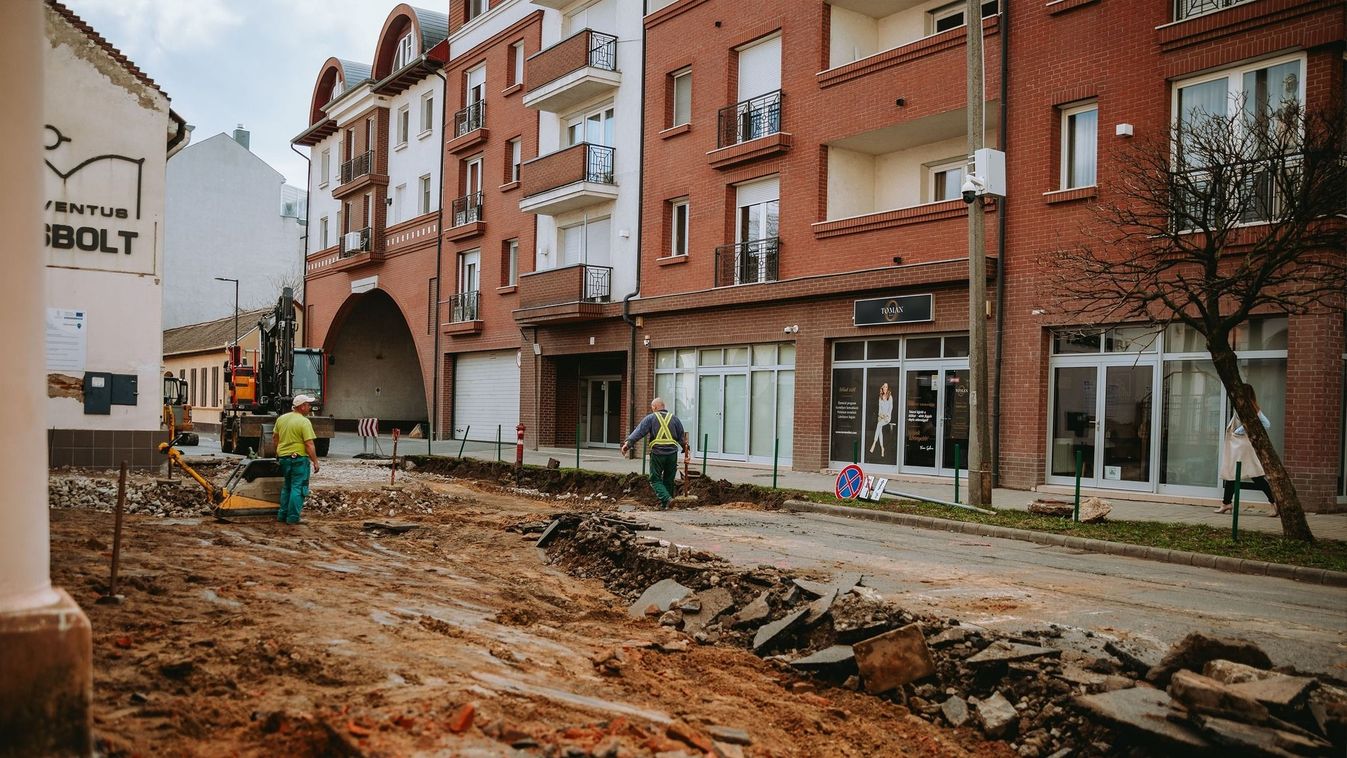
[(294, 489), (663, 466)]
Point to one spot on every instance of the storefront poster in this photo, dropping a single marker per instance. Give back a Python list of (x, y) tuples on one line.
[(846, 412), (881, 416)]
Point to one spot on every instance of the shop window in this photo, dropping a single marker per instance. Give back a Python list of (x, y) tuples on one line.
[(849, 351), (883, 349), (764, 355), (711, 358), (736, 356), (923, 347), (956, 347)]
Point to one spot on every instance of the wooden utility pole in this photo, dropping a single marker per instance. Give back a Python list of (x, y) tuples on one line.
[(979, 447)]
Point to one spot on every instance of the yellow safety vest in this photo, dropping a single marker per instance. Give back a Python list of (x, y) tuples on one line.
[(664, 436)]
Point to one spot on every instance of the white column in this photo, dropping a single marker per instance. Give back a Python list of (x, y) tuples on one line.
[(24, 546)]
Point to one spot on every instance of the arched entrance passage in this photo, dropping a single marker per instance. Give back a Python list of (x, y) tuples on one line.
[(373, 367)]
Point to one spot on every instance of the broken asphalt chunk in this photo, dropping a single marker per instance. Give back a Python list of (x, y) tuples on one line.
[(1193, 652), (1005, 652), (827, 658), (819, 608), (714, 602), (549, 534), (1137, 657), (817, 589), (997, 716), (893, 658), (1203, 695), (956, 711), (1278, 692), (1250, 739), (1145, 712), (769, 632), (662, 594), (757, 610)]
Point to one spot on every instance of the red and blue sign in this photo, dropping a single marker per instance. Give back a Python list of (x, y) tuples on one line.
[(850, 481)]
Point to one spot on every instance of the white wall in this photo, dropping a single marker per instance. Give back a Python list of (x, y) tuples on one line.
[(851, 183), (321, 202), (102, 109), (860, 183), (852, 36), (406, 165), (223, 218)]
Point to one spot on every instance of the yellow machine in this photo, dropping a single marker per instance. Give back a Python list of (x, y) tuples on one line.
[(177, 416), (252, 489)]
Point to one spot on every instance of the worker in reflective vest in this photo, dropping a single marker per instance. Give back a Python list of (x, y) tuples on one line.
[(667, 436)]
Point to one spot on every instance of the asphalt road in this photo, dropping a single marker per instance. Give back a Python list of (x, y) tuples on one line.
[(1010, 585)]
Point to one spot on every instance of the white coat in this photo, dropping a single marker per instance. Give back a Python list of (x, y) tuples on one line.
[(1238, 448)]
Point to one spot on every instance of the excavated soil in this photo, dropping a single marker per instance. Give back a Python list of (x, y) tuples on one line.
[(454, 638)]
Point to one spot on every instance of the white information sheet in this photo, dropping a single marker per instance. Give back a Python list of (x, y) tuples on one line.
[(66, 340)]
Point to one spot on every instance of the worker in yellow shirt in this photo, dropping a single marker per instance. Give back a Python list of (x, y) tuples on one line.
[(293, 438)]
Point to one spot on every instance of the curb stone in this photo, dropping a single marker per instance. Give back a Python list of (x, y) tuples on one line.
[(1182, 557)]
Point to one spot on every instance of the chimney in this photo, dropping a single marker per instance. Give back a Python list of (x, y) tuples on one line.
[(241, 136)]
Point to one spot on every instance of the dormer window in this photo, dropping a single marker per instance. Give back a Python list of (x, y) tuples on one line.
[(336, 89), (406, 51)]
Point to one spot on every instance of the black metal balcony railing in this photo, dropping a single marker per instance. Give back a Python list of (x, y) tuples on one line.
[(599, 164), (355, 242), (357, 167), (747, 262), (602, 51), (1186, 8), (598, 284), (463, 306), (467, 209), (470, 118), (749, 120)]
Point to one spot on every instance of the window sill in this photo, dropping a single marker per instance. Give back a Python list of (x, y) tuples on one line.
[(1234, 19), (510, 186), (1062, 6), (672, 260), (507, 289), (424, 134), (323, 185), (1070, 195), (674, 131), (512, 89), (400, 146)]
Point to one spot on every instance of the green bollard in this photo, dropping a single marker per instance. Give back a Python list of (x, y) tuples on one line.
[(464, 443), (706, 440), (577, 447), (856, 452), (957, 462), (776, 456), (1239, 485), (498, 459), (1080, 467), (645, 450)]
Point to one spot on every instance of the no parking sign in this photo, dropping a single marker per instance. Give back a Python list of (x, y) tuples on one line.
[(850, 480)]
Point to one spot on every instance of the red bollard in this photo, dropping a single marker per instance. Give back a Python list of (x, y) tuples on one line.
[(519, 446), (393, 470)]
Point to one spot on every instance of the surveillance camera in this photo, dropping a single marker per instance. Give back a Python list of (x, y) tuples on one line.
[(972, 187), (786, 330)]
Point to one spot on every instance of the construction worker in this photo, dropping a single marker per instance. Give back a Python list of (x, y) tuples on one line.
[(667, 436), (293, 438)]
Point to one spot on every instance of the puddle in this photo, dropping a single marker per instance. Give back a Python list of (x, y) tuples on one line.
[(211, 597), (562, 696)]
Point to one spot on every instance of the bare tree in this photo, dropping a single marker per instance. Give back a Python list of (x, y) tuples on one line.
[(1228, 215)]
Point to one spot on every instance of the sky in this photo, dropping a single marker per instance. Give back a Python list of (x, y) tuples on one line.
[(226, 62)]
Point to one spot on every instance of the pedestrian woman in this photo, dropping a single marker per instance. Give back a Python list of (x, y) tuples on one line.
[(1237, 448), (885, 416)]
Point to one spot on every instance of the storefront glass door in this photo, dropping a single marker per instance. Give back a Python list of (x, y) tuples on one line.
[(1111, 429), (603, 411), (935, 419)]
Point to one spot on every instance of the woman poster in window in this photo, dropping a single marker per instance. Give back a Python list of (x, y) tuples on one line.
[(882, 447)]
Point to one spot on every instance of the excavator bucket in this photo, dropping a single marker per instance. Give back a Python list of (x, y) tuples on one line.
[(253, 489)]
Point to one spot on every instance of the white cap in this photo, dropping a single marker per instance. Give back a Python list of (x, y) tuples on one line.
[(302, 399)]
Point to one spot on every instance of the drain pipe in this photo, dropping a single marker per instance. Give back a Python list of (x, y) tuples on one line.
[(304, 266), (436, 359), (626, 301), (1000, 253)]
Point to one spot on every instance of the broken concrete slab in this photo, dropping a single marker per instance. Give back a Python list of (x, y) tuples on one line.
[(893, 659), (755, 611), (662, 594), (1094, 510), (767, 633), (1143, 711), (847, 582), (997, 716), (549, 534), (1136, 656), (1208, 696), (1193, 652), (956, 711), (827, 658), (1250, 739), (729, 734), (1278, 692), (1229, 672), (817, 589), (714, 602), (951, 636), (1005, 652), (819, 608)]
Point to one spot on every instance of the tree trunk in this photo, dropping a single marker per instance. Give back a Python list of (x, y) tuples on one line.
[(1294, 525)]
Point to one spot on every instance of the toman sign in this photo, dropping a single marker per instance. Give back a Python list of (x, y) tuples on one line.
[(92, 208)]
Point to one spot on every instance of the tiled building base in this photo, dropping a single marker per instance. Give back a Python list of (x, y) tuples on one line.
[(105, 448), (46, 680)]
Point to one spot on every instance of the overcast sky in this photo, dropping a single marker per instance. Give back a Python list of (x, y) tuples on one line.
[(225, 62)]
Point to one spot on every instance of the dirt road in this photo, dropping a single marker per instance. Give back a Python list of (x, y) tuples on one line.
[(454, 638)]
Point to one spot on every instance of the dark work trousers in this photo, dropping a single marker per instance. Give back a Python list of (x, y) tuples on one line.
[(1258, 483), (663, 467)]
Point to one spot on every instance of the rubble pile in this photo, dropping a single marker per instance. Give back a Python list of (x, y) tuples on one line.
[(1040, 691), (144, 496)]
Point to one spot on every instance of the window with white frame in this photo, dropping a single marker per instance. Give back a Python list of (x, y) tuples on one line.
[(678, 227), (406, 50), (322, 233), (681, 84), (517, 63), (475, 8), (586, 242), (325, 168), (425, 206), (1080, 138), (595, 127), (945, 180), (950, 16), (427, 113), (515, 153), (509, 264), (404, 124)]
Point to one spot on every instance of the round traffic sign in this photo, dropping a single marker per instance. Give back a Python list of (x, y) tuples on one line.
[(849, 482)]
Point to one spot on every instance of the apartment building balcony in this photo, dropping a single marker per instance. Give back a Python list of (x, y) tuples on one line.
[(561, 295), (579, 68), (464, 314), (868, 36), (356, 248), (569, 179), (751, 262), (357, 174), (469, 128), (465, 217), (749, 130)]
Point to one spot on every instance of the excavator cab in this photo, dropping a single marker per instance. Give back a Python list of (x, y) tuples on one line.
[(177, 415)]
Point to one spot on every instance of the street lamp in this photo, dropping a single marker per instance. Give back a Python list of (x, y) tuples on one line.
[(236, 306)]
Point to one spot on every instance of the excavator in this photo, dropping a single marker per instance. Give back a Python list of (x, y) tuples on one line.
[(177, 416), (253, 488), (258, 394)]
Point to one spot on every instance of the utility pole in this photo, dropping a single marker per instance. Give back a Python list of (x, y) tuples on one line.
[(979, 452)]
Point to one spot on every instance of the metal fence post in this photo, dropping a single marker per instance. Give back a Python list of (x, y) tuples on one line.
[(776, 456), (1080, 466), (706, 440), (1239, 485), (856, 452), (498, 458), (464, 443), (957, 461), (577, 446)]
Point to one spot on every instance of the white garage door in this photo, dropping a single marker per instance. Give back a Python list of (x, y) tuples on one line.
[(486, 394)]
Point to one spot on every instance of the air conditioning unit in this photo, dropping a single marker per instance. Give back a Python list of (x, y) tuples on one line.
[(351, 241)]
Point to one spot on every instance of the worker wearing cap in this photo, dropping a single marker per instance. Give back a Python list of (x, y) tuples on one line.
[(293, 438), (667, 436)]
